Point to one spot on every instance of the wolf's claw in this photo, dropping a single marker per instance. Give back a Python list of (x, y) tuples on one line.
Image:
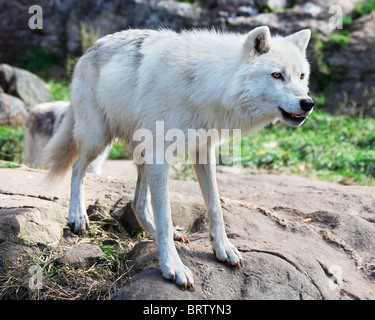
[(177, 236)]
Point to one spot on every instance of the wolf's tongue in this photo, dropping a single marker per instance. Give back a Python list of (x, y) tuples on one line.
[(299, 115)]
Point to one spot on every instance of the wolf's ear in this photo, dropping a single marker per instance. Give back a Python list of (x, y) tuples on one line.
[(300, 39), (258, 41)]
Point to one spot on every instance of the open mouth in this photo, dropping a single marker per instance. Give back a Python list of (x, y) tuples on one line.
[(293, 119)]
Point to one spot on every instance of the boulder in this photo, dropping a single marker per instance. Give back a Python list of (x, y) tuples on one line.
[(84, 254), (68, 24), (32, 219), (265, 275), (346, 5), (13, 111), (285, 257), (351, 89), (286, 22), (24, 85), (272, 5)]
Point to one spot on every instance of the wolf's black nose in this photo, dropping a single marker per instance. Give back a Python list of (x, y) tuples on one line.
[(307, 104)]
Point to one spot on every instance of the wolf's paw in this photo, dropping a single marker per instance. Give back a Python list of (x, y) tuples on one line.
[(177, 236), (79, 225), (226, 252), (177, 272)]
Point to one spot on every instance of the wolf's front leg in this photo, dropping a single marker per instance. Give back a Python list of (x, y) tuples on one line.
[(224, 250), (171, 264)]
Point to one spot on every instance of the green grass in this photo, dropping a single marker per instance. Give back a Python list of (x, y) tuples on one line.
[(120, 151), (63, 282), (43, 64), (11, 144), (364, 8), (339, 39), (327, 147), (60, 90)]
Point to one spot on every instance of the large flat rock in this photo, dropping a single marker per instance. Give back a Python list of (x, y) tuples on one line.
[(284, 258)]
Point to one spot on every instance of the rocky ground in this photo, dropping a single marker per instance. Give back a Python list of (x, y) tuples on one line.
[(300, 238)]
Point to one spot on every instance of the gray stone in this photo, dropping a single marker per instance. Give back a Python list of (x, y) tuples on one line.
[(13, 111), (24, 85), (352, 89), (272, 4), (285, 257), (83, 255), (30, 219), (264, 276)]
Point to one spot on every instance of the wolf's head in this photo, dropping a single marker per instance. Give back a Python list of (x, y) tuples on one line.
[(275, 74)]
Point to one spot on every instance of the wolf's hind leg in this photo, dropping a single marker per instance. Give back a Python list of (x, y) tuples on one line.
[(89, 146), (78, 220), (142, 208), (141, 204)]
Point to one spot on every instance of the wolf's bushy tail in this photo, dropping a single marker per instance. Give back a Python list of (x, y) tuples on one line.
[(61, 152)]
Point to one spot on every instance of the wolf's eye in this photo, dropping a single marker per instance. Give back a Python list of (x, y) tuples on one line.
[(277, 75), (302, 76)]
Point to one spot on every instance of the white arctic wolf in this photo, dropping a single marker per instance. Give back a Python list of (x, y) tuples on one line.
[(196, 79)]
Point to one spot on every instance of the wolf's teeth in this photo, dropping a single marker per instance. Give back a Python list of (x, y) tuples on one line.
[(299, 115)]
